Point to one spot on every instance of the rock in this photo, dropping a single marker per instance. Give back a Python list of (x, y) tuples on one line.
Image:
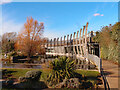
[(33, 75), (10, 82), (3, 83), (22, 79), (7, 84), (59, 85), (69, 83)]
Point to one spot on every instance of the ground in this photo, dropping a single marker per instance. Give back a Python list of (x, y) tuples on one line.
[(111, 71)]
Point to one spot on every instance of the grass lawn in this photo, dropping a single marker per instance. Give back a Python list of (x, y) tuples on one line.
[(16, 73), (90, 75)]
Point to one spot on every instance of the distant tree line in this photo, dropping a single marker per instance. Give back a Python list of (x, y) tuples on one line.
[(108, 38), (7, 42)]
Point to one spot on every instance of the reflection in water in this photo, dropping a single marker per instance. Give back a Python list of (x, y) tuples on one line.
[(20, 66)]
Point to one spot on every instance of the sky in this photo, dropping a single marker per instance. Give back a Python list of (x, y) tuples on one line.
[(60, 18)]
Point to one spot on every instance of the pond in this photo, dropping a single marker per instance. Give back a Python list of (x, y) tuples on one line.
[(36, 64), (21, 66)]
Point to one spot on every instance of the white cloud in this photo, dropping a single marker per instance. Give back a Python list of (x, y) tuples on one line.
[(51, 34), (98, 14), (9, 25), (5, 1)]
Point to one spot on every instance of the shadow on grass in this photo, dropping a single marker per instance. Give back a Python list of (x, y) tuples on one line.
[(107, 73), (89, 81), (87, 84), (26, 85), (77, 75), (86, 81), (11, 82), (5, 72)]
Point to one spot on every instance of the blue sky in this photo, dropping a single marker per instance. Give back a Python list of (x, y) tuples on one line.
[(60, 18)]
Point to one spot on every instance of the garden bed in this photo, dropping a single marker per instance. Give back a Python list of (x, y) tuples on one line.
[(89, 77)]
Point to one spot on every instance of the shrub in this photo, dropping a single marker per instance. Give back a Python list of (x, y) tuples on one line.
[(33, 75), (62, 68), (39, 58), (108, 38)]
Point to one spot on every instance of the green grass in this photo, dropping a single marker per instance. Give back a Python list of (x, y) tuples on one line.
[(88, 73), (44, 74), (16, 73)]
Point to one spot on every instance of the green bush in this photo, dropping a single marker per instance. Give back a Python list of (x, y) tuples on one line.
[(62, 68), (108, 38), (33, 75)]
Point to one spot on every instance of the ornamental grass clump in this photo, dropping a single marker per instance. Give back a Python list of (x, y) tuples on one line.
[(62, 68)]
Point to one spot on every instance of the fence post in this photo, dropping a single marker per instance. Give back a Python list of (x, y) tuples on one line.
[(83, 41), (74, 43), (77, 43), (47, 44), (67, 45), (57, 46), (47, 49), (51, 46), (80, 42), (71, 44), (64, 45), (74, 50), (54, 45), (86, 48), (83, 47), (61, 45)]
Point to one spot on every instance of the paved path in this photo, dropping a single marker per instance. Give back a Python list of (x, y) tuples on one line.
[(111, 72)]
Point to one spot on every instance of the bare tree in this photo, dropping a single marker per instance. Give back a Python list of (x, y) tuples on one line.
[(8, 41), (30, 40)]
